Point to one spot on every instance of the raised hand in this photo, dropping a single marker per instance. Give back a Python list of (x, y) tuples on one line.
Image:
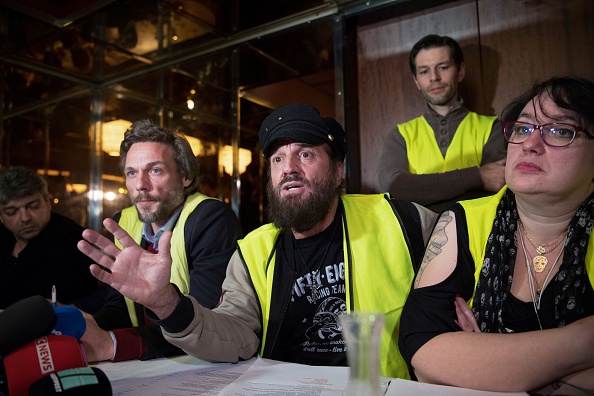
[(139, 275)]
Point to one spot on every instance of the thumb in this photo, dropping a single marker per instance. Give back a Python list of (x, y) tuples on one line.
[(165, 244)]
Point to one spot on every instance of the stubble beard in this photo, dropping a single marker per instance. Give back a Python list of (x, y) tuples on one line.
[(440, 100), (301, 213), (167, 205)]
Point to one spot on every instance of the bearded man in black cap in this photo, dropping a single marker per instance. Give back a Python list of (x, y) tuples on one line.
[(323, 254)]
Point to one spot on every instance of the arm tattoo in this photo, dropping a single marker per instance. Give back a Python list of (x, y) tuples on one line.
[(437, 241)]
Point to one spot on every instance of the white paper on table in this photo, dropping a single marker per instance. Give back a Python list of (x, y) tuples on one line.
[(179, 376), (270, 377), (400, 387)]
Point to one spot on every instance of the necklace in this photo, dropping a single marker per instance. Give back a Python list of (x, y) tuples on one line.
[(540, 262), (535, 291), (314, 286)]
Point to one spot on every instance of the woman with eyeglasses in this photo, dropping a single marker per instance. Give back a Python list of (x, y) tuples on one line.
[(504, 300)]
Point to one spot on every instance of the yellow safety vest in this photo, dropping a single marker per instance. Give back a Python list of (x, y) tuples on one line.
[(377, 277), (180, 274), (465, 150), (480, 214)]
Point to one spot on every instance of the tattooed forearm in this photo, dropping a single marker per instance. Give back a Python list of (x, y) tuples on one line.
[(438, 239)]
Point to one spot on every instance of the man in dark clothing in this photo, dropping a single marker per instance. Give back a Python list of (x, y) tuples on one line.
[(38, 247), (162, 178)]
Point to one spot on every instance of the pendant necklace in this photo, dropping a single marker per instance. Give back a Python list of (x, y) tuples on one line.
[(314, 286), (535, 290), (540, 261)]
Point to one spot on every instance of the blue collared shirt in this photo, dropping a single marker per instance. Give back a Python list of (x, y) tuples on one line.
[(152, 237)]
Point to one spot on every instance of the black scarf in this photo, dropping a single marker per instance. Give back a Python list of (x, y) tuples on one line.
[(495, 279)]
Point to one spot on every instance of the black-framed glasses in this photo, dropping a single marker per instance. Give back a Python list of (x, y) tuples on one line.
[(556, 134)]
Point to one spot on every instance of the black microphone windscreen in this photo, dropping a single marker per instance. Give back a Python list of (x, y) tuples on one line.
[(87, 381), (25, 321)]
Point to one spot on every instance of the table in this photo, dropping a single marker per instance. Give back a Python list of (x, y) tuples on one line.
[(186, 375)]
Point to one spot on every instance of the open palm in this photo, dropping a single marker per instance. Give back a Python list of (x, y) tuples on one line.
[(139, 275)]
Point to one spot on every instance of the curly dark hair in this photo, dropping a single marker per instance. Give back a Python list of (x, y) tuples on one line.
[(19, 182)]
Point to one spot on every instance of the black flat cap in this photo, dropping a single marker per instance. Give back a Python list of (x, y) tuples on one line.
[(301, 123)]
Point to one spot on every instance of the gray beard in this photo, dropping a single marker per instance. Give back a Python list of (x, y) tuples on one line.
[(166, 207)]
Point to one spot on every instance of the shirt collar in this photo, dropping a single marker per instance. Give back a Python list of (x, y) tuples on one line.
[(152, 237), (459, 104)]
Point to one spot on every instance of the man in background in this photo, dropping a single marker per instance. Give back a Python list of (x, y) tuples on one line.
[(162, 178), (449, 153), (38, 247)]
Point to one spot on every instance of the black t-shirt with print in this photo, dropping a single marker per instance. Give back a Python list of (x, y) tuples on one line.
[(310, 332)]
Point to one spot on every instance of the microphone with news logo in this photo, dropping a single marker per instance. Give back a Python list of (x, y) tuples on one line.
[(37, 340), (39, 358)]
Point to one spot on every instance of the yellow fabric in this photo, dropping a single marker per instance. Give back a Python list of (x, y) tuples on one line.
[(378, 279), (480, 214), (180, 274), (465, 150)]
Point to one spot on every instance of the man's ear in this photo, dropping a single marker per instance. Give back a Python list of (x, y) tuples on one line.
[(339, 173), (187, 182), (461, 72), (416, 82)]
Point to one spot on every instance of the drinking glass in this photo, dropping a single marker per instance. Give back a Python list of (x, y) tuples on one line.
[(362, 333)]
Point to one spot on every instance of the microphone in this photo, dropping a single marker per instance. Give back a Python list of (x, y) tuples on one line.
[(25, 321), (39, 358), (69, 321), (88, 381)]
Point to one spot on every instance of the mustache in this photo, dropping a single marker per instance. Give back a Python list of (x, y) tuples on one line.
[(293, 178), (144, 197)]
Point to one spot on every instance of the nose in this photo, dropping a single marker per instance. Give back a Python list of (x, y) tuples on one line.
[(290, 165), (24, 215), (534, 140), (142, 181), (434, 75)]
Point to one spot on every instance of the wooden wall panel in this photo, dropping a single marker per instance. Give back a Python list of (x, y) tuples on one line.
[(507, 47)]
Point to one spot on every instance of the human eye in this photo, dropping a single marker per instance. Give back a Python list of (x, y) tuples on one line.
[(156, 171), (9, 212), (130, 173), (561, 131), (520, 131)]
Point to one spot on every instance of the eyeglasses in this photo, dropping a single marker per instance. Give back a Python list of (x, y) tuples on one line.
[(555, 134)]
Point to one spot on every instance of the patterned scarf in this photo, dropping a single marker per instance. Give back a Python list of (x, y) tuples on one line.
[(496, 275)]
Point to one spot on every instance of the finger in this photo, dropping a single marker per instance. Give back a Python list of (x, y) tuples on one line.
[(467, 314), (165, 245), (101, 273), (118, 232), (98, 255), (99, 241)]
